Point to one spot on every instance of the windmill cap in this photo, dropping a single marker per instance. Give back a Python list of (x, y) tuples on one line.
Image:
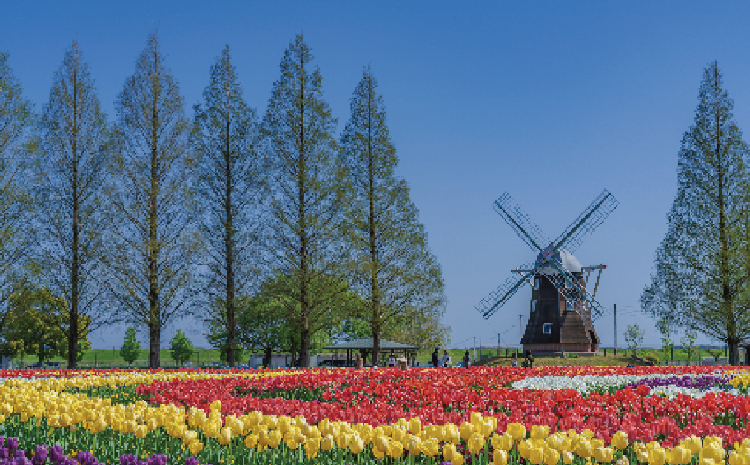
[(567, 259)]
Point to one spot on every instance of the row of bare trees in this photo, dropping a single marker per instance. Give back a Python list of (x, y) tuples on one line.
[(158, 216)]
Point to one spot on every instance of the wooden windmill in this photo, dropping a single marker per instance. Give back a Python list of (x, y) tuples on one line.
[(562, 310)]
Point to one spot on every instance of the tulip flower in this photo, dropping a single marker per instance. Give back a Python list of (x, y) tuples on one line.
[(499, 457), (517, 431)]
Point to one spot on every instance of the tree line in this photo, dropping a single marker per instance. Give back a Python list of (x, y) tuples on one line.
[(701, 279), (273, 230)]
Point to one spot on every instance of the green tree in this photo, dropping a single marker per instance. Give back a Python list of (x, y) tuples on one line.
[(181, 347), (392, 267), (666, 331), (703, 263), (72, 137), (303, 193), (634, 337), (39, 322), (15, 203), (228, 186), (153, 244), (131, 348), (688, 343)]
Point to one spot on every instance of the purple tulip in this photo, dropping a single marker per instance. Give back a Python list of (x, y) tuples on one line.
[(40, 456), (128, 459), (2, 441), (191, 461), (158, 459), (12, 443), (56, 455), (4, 453), (20, 454)]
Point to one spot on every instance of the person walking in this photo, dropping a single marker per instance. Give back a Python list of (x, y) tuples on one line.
[(435, 356), (466, 359), (446, 362)]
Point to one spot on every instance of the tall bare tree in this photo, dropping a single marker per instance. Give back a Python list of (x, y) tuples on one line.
[(15, 203), (153, 243), (393, 267), (702, 270), (72, 140), (229, 182), (303, 195)]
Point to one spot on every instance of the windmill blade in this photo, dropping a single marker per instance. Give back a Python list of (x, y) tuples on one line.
[(519, 220), (570, 287), (496, 299), (586, 222)]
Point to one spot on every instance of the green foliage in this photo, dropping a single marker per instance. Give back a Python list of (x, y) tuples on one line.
[(688, 343), (666, 341), (130, 346), (392, 268), (634, 337), (702, 265), (37, 323), (652, 357), (181, 348), (716, 353)]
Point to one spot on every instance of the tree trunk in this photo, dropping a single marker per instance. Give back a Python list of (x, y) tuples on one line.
[(75, 265), (304, 351), (734, 351), (154, 354), (376, 347), (267, 357), (229, 250)]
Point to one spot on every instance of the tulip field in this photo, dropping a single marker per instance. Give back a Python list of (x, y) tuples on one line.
[(479, 415)]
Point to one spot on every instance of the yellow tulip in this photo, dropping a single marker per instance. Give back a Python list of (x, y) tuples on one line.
[(378, 453), (657, 456), (539, 432), (274, 439), (342, 441), (567, 457), (499, 457), (735, 458), (603, 454), (312, 446), (620, 440), (693, 444), (502, 442), (536, 456), (254, 418), (524, 448), (270, 421), (195, 447), (381, 442), (551, 456), (622, 461), (189, 436), (713, 452), (681, 456), (584, 448), (398, 434), (140, 431), (430, 447), (467, 430), (415, 425), (225, 436), (326, 443), (215, 406), (706, 461), (283, 424), (448, 450), (451, 434), (517, 431), (475, 443), (457, 459), (356, 444), (395, 449), (251, 440)]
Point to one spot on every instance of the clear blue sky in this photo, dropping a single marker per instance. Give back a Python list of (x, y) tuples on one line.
[(551, 101)]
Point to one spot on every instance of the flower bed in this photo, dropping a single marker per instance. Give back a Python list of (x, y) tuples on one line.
[(551, 415)]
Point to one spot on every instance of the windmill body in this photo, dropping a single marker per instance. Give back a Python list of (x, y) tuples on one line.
[(562, 309)]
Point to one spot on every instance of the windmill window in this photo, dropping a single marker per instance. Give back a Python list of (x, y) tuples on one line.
[(547, 328)]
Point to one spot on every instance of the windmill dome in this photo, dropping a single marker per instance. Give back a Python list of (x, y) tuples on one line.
[(562, 256)]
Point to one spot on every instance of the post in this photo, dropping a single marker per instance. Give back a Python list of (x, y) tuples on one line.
[(615, 329), (520, 327), (475, 349)]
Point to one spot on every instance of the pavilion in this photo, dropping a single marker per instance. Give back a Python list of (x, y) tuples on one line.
[(365, 346)]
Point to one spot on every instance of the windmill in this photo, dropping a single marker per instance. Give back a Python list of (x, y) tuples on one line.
[(561, 307)]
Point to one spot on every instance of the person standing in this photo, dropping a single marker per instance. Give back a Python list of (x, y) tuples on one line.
[(466, 359), (446, 362), (358, 361), (392, 360), (435, 356), (529, 359)]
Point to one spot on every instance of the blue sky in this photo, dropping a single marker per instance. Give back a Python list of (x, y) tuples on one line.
[(550, 101)]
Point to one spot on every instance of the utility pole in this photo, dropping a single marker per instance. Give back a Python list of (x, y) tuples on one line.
[(475, 349), (615, 329), (520, 327)]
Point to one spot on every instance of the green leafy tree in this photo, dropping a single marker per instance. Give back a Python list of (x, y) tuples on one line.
[(131, 348), (703, 263), (303, 193), (666, 331), (153, 244), (39, 322), (392, 266), (634, 337), (688, 343), (181, 347), (72, 138), (228, 188), (15, 203)]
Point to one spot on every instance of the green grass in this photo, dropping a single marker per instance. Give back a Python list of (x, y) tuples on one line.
[(107, 357)]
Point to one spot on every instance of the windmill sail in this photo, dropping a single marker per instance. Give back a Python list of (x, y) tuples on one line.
[(517, 219), (490, 304), (586, 222)]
